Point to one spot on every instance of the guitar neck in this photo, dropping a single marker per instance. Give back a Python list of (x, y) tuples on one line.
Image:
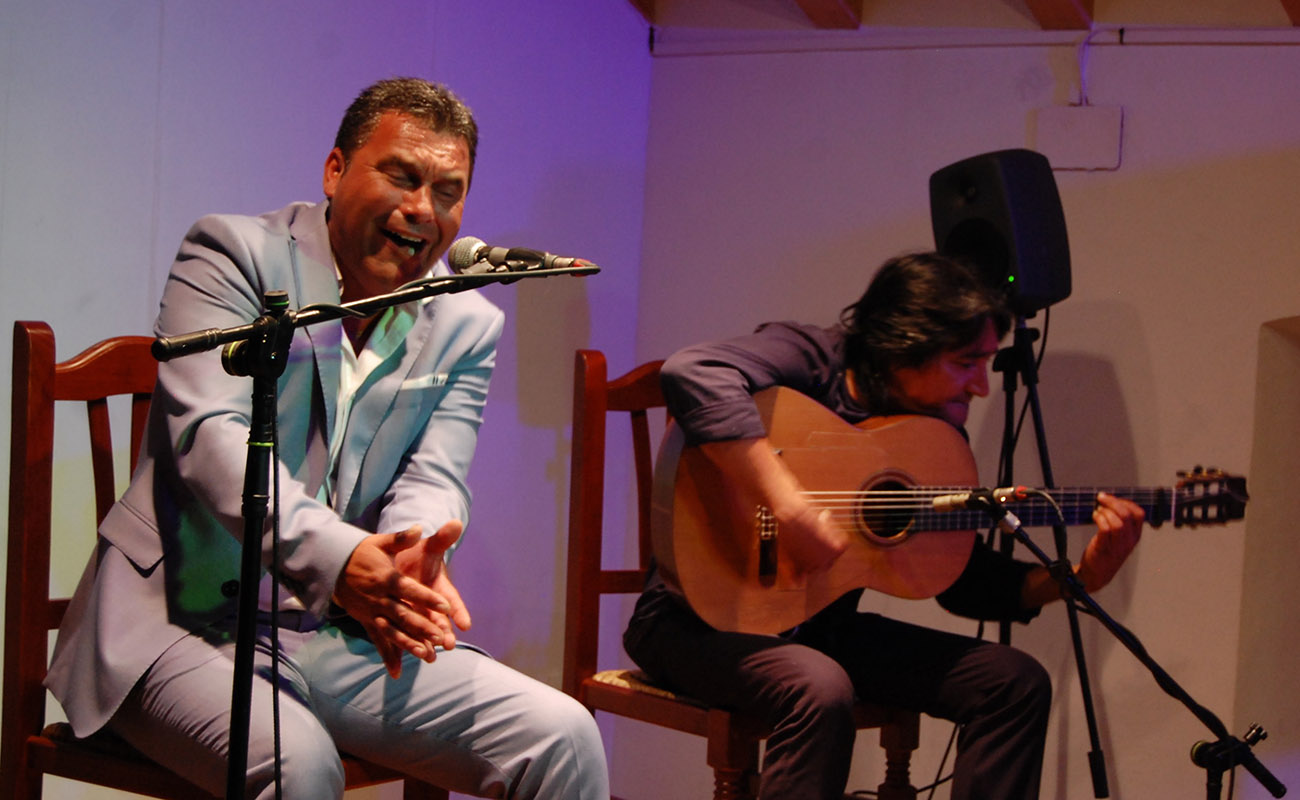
[(1073, 506)]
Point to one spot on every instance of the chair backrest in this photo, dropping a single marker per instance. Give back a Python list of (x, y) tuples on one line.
[(117, 366), (594, 397)]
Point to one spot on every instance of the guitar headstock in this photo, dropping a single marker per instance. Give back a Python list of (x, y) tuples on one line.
[(1208, 497)]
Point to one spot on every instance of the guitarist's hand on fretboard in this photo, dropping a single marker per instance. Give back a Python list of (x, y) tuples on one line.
[(1119, 526)]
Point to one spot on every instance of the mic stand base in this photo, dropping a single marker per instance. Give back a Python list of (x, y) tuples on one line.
[(1214, 757)]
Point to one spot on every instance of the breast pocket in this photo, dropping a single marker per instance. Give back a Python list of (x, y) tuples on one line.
[(420, 390)]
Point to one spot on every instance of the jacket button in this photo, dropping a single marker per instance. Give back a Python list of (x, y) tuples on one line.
[(230, 588)]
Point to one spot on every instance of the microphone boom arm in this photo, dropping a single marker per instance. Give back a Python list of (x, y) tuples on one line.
[(165, 348)]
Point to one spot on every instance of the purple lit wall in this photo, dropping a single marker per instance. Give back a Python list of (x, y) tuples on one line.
[(122, 123)]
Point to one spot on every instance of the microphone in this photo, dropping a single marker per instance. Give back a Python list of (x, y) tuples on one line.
[(979, 498), (472, 256)]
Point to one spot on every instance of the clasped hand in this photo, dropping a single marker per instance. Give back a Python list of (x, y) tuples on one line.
[(396, 586)]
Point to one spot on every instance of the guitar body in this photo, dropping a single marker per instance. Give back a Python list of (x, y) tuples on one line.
[(709, 544)]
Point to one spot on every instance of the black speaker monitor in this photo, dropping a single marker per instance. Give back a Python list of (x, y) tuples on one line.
[(1001, 212)]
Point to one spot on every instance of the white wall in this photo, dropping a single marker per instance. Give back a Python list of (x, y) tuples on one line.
[(780, 175), (120, 123)]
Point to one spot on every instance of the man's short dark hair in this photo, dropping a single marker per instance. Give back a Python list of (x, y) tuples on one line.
[(433, 104), (916, 307)]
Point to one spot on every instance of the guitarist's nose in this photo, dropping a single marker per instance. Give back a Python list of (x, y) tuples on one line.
[(978, 385)]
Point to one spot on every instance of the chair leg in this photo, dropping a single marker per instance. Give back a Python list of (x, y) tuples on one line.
[(28, 787), (23, 782), (733, 784), (899, 738), (733, 755)]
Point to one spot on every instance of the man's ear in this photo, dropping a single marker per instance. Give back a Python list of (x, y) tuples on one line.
[(335, 164)]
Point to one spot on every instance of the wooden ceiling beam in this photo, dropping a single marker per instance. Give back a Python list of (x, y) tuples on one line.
[(1067, 15), (646, 8), (1054, 15), (845, 14), (1292, 10)]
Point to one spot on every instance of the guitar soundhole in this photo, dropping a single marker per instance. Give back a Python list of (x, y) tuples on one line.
[(882, 519)]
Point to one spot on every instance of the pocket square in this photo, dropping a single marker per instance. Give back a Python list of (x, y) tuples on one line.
[(424, 382)]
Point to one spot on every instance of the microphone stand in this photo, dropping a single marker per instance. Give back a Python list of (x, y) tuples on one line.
[(260, 350), (1215, 757), (1018, 359)]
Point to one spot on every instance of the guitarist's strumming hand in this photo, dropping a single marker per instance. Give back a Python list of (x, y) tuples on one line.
[(809, 537), (811, 540)]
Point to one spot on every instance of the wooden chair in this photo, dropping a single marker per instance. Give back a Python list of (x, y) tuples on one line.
[(29, 749), (733, 740)]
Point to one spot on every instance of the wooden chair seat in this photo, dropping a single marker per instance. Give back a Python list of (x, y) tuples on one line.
[(57, 751), (732, 739)]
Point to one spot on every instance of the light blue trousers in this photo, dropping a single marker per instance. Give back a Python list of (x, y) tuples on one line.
[(465, 722)]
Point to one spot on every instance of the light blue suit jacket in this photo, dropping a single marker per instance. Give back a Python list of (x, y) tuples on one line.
[(167, 560)]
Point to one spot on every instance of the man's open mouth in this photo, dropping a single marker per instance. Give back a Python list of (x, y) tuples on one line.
[(412, 246)]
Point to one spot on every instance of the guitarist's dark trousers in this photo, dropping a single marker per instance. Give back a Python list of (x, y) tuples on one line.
[(804, 682)]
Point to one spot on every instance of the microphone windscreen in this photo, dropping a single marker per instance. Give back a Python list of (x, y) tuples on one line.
[(464, 253)]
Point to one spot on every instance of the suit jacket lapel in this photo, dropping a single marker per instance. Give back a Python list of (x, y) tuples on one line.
[(371, 409), (318, 277)]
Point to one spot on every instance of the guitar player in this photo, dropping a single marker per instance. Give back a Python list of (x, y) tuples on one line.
[(917, 342)]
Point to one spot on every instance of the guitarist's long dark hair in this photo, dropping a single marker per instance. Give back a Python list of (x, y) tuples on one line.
[(916, 307)]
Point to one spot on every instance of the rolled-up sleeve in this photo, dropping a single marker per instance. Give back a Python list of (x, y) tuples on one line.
[(709, 387)]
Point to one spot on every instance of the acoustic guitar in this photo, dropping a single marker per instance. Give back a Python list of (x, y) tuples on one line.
[(879, 480)]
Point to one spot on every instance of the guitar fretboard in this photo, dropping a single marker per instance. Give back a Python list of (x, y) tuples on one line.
[(888, 512)]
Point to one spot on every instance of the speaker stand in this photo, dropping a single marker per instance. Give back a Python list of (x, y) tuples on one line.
[(1017, 363)]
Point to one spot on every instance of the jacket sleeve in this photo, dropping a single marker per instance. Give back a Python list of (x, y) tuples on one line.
[(223, 267)]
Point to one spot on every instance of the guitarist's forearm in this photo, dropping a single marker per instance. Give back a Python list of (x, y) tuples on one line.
[(1040, 588), (753, 468), (811, 540)]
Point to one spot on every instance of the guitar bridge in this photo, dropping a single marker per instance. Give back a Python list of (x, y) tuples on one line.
[(765, 525)]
